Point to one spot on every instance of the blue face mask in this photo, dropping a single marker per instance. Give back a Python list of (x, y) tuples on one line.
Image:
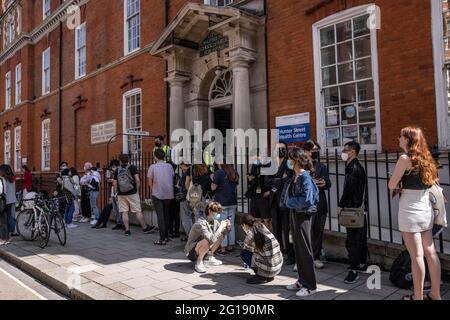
[(217, 217), (290, 165)]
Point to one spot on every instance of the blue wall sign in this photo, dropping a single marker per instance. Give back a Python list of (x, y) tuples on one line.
[(294, 128)]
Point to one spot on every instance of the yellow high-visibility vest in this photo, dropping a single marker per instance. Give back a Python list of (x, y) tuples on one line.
[(166, 150)]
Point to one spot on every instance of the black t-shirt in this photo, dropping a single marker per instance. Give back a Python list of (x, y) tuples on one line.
[(204, 181), (133, 170)]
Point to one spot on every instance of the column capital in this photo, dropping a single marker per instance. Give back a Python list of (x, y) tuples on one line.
[(177, 79), (240, 58)]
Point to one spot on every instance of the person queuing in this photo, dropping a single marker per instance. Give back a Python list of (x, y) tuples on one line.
[(225, 182), (281, 225), (174, 212), (186, 214), (76, 183), (70, 195), (417, 172), (94, 189), (10, 196), (27, 180), (127, 183), (302, 187), (206, 237), (114, 166), (160, 181), (261, 252), (353, 197), (322, 179), (85, 201), (4, 214), (200, 176)]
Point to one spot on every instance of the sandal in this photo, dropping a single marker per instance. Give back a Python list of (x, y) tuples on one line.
[(408, 298), (159, 243)]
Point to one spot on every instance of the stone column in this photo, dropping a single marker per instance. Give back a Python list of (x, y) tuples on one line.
[(176, 109), (241, 90)]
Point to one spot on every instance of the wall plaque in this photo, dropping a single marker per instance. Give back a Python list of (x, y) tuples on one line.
[(102, 132)]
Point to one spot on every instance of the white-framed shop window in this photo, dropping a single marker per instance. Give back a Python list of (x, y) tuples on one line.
[(80, 51), (7, 141), (346, 80), (46, 71), (46, 9), (17, 148), (8, 91), (132, 26), (45, 145), (18, 94), (440, 17), (132, 120)]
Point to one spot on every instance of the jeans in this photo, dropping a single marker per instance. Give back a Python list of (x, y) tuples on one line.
[(247, 256), (117, 214), (187, 217), (12, 218), (230, 238), (68, 216), (93, 195)]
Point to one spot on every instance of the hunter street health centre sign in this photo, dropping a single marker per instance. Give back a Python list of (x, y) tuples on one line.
[(294, 128)]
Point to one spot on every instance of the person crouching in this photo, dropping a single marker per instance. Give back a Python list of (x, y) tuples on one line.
[(262, 252), (206, 236)]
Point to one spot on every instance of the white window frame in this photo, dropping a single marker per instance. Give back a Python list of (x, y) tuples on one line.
[(9, 32), (17, 148), (320, 112), (45, 146), (8, 91), (7, 151), (126, 95), (79, 74), (125, 29), (439, 75), (18, 84), (215, 2), (44, 79), (46, 9)]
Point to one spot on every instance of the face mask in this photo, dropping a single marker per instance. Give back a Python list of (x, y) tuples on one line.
[(158, 144), (217, 217), (290, 165), (344, 156), (315, 155), (281, 153), (257, 162)]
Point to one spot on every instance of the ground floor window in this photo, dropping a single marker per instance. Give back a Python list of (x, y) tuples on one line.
[(132, 118), (7, 147), (46, 145), (17, 148)]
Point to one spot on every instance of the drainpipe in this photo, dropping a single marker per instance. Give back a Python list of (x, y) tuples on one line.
[(60, 99), (167, 88), (266, 49)]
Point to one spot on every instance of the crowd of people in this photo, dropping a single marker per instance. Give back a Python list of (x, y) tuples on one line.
[(287, 212)]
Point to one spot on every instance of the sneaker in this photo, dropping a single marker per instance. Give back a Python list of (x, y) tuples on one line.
[(94, 222), (200, 267), (4, 243), (128, 233), (295, 269), (117, 227), (213, 261), (85, 220), (362, 268), (148, 229), (352, 277), (259, 280), (71, 226), (319, 264), (303, 293), (294, 287)]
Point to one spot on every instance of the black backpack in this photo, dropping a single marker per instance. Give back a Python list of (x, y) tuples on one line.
[(401, 275)]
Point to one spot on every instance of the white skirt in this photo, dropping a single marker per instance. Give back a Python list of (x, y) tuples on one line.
[(415, 213)]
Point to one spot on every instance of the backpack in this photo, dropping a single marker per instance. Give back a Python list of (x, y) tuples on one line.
[(194, 195), (2, 195), (69, 186), (125, 181), (401, 275)]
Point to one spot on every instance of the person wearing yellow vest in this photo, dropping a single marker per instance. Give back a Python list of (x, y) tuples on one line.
[(159, 144)]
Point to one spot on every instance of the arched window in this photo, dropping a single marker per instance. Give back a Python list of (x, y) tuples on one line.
[(222, 87)]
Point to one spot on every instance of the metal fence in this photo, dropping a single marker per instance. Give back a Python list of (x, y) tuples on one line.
[(382, 210)]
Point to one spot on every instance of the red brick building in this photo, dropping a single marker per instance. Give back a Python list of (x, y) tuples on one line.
[(74, 72)]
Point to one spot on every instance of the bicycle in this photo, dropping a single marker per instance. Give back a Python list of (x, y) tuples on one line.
[(56, 223)]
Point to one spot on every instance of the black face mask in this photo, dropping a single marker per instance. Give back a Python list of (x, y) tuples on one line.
[(315, 155), (281, 153), (158, 144)]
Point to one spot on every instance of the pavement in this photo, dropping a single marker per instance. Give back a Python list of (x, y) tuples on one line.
[(106, 265)]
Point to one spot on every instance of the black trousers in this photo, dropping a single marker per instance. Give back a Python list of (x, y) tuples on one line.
[(356, 245), (5, 217), (85, 205), (317, 228), (174, 218), (162, 208), (281, 226), (105, 214), (301, 223)]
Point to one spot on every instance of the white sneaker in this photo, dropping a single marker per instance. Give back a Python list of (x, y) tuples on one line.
[(319, 264), (294, 287), (200, 267), (303, 293), (213, 261), (295, 268), (93, 222), (71, 226), (85, 220)]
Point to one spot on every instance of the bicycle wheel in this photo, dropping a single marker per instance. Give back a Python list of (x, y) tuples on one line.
[(60, 228), (44, 230), (26, 225)]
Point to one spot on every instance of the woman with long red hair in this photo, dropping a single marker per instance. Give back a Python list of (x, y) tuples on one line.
[(415, 172)]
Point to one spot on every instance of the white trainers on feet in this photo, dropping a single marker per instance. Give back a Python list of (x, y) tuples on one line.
[(85, 220), (319, 264), (213, 261), (295, 268), (71, 226), (303, 293), (294, 287), (200, 267), (94, 222)]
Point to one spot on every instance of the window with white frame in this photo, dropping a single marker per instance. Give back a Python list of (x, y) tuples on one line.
[(17, 148), (46, 71), (46, 8), (218, 3), (7, 153), (132, 119), (132, 25), (346, 80), (446, 44), (9, 31), (8, 91), (80, 51), (18, 96), (45, 145)]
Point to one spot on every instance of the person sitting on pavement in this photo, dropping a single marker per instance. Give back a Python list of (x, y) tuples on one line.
[(262, 252), (206, 237)]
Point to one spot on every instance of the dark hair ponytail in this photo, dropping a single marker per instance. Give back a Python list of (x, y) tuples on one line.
[(299, 157)]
